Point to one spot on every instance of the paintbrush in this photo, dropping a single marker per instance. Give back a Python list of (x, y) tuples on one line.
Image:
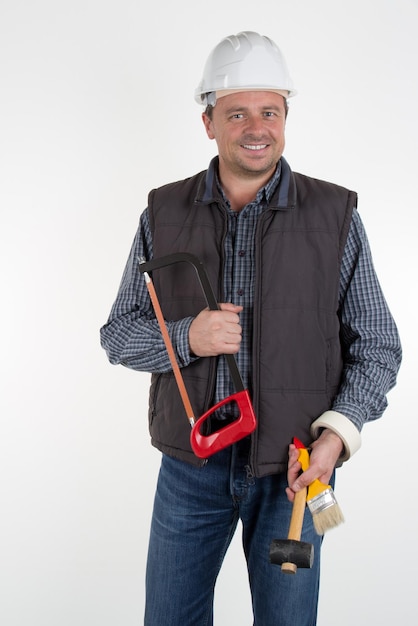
[(321, 500)]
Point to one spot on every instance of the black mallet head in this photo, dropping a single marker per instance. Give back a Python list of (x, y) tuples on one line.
[(291, 554)]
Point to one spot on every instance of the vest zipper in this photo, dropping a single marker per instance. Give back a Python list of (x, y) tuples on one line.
[(256, 339)]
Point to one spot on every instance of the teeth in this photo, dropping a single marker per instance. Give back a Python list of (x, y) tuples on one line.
[(252, 147)]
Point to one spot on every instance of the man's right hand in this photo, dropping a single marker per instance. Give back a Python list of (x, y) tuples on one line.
[(216, 332)]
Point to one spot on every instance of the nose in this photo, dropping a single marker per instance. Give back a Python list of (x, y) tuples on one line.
[(255, 124)]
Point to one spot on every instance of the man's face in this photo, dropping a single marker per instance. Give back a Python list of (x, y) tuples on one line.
[(248, 128)]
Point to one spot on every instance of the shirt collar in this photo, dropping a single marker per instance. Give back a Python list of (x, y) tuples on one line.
[(264, 194), (276, 191)]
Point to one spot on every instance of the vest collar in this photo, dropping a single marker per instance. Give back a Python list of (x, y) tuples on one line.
[(283, 198)]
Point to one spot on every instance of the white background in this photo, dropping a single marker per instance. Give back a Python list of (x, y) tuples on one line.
[(96, 108)]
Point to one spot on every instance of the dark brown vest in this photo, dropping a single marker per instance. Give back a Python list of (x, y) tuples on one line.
[(297, 360)]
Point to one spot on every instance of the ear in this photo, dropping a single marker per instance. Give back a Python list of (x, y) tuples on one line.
[(208, 124)]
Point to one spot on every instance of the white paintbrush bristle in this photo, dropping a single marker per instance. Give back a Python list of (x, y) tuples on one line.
[(326, 512)]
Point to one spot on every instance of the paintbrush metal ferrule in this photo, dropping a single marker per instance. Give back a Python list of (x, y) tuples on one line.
[(322, 501), (326, 513)]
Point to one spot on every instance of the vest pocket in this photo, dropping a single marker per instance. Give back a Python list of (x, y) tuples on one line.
[(153, 393)]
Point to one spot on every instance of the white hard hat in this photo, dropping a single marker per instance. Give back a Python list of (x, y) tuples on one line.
[(244, 62)]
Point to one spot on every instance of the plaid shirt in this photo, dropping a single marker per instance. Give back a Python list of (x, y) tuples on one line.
[(369, 335)]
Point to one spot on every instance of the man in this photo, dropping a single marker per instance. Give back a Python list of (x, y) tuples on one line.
[(302, 311)]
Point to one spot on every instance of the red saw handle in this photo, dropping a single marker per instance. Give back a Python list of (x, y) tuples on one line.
[(205, 445)]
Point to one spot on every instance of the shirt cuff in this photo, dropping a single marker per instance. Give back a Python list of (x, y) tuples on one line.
[(343, 427), (179, 332)]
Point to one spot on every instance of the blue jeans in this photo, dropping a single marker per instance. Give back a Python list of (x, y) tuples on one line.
[(196, 511)]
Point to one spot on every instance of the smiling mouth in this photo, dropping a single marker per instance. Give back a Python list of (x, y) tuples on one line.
[(255, 148)]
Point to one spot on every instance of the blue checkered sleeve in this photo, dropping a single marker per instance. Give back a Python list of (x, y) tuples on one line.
[(369, 337), (131, 336)]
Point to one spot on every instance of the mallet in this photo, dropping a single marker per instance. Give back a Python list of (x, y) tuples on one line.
[(292, 553)]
